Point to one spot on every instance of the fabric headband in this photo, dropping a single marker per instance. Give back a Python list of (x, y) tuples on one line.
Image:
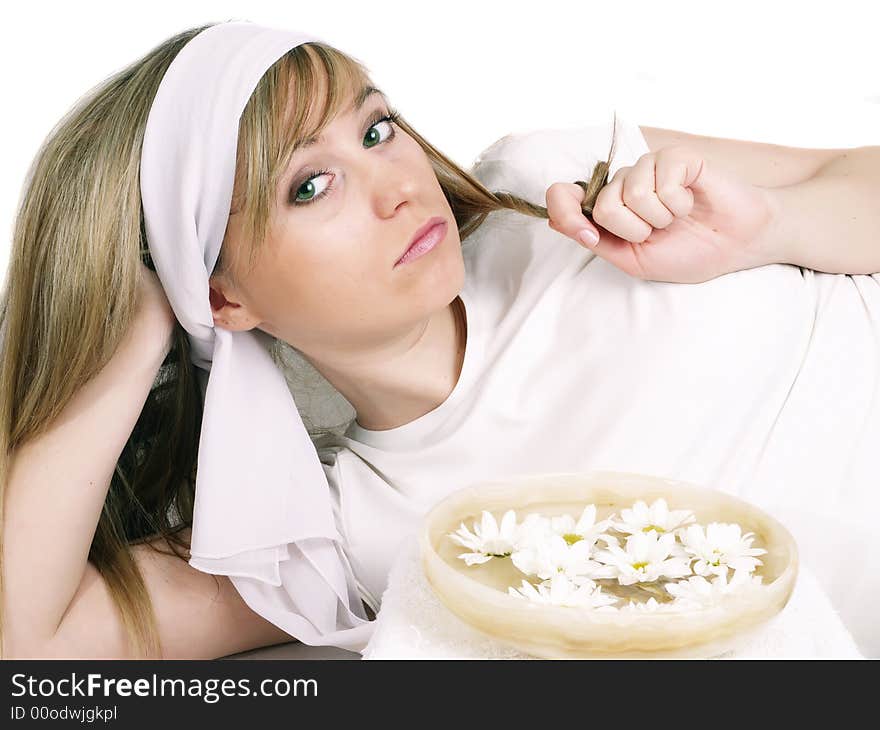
[(263, 514)]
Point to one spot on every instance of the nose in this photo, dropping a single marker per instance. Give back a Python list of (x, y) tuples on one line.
[(392, 182)]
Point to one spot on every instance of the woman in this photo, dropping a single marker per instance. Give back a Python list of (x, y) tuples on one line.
[(427, 356)]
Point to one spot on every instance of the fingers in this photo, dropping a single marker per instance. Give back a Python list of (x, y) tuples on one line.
[(628, 206), (638, 200), (640, 194), (672, 184), (564, 211), (645, 197)]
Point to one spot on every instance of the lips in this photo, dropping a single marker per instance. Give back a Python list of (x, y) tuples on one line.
[(431, 222)]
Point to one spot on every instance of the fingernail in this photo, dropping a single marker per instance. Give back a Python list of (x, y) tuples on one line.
[(589, 237)]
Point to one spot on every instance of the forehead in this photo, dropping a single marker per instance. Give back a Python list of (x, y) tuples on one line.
[(363, 94)]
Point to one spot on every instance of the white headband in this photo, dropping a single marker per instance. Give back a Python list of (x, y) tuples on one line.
[(262, 514)]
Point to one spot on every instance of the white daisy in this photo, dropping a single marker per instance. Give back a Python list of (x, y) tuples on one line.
[(533, 529), (586, 528), (657, 518), (720, 547), (562, 592), (697, 592), (552, 555), (648, 556), (488, 540), (649, 606)]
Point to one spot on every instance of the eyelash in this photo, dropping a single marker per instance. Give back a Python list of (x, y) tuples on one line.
[(392, 117)]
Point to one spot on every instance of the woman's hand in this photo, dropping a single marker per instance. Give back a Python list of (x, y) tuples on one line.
[(670, 217)]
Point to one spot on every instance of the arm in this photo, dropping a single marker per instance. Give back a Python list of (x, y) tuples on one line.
[(825, 201), (200, 616), (830, 222), (55, 602), (759, 163), (58, 482)]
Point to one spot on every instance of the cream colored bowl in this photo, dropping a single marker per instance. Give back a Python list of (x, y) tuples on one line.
[(478, 593)]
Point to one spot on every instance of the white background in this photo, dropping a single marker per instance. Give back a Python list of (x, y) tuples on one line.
[(466, 73)]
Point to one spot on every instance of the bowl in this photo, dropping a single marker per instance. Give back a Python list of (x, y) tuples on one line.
[(478, 594)]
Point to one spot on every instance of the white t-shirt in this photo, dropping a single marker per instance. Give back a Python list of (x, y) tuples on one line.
[(761, 383)]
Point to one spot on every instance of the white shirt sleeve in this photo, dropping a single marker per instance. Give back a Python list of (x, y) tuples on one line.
[(527, 163)]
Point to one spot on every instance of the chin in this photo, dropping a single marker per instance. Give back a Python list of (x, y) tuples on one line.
[(438, 279), (448, 280)]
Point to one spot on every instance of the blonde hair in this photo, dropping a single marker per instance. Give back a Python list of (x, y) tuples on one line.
[(78, 241)]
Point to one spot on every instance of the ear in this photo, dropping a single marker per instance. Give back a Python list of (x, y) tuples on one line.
[(229, 312)]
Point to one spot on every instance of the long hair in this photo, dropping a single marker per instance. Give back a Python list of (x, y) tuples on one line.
[(70, 296)]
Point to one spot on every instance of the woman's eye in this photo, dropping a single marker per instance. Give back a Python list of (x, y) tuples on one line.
[(311, 192), (308, 188), (375, 125)]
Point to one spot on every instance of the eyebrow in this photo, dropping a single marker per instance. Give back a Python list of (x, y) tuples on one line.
[(359, 101)]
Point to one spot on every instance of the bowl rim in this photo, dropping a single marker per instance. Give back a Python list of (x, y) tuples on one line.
[(522, 609)]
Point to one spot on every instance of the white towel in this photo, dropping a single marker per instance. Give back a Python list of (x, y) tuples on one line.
[(413, 623)]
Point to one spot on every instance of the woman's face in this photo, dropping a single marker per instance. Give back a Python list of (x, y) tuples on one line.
[(327, 280)]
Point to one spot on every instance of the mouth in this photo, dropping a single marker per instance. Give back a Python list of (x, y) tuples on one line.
[(425, 239)]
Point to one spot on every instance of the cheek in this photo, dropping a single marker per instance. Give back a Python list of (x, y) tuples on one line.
[(419, 160), (328, 288)]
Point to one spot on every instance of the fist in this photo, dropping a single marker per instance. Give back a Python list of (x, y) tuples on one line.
[(670, 217)]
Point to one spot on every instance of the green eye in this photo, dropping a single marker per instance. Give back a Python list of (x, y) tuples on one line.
[(371, 131), (308, 188), (371, 139)]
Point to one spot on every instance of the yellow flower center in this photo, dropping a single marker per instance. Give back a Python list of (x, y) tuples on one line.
[(639, 566), (571, 538), (657, 528)]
